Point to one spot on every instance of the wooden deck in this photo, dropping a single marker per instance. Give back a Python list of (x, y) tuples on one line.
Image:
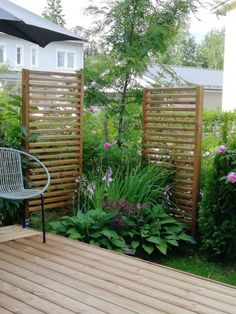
[(65, 276)]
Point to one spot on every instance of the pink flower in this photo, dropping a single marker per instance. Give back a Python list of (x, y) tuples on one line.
[(106, 145), (231, 177), (93, 109), (222, 149)]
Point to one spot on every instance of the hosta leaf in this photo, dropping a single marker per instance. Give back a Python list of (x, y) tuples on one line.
[(110, 234), (154, 239), (119, 242), (185, 237), (148, 248), (75, 236), (162, 247), (173, 242), (135, 244)]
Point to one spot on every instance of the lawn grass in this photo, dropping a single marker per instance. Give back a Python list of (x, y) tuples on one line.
[(198, 265), (189, 261)]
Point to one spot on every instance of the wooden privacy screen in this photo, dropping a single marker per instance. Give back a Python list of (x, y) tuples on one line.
[(172, 132), (52, 114)]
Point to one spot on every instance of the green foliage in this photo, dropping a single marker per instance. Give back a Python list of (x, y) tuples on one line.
[(217, 219), (99, 128), (138, 185), (131, 33), (11, 135), (11, 132), (53, 12), (90, 227), (211, 50), (183, 51), (218, 128), (148, 230), (152, 228)]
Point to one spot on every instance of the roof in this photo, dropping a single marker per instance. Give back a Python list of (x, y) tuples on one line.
[(173, 75), (11, 11)]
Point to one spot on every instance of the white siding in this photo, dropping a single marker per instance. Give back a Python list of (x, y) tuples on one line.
[(229, 79), (47, 57), (212, 99)]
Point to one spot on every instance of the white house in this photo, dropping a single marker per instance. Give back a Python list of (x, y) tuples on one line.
[(61, 56), (228, 8), (172, 75)]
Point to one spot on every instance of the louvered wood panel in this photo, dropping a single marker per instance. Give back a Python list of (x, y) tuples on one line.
[(52, 114), (172, 133)]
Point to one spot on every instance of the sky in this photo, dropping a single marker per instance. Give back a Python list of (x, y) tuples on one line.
[(73, 11)]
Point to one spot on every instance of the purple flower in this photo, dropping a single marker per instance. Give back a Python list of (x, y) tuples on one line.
[(108, 176), (222, 149), (106, 145), (231, 177), (90, 189)]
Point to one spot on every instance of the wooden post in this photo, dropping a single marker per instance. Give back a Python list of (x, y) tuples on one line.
[(197, 155), (143, 122), (81, 87), (25, 124)]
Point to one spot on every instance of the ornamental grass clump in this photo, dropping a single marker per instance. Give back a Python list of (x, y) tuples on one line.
[(217, 219)]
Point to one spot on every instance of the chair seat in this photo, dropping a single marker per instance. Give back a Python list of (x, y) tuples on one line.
[(20, 194)]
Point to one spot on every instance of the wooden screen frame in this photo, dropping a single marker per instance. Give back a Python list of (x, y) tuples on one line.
[(52, 110), (162, 109)]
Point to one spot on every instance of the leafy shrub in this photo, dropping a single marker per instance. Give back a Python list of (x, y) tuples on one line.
[(217, 221), (148, 230), (90, 227), (11, 135)]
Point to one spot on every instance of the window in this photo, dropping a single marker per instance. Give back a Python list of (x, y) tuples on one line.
[(70, 60), (2, 53), (19, 55), (34, 56), (66, 59)]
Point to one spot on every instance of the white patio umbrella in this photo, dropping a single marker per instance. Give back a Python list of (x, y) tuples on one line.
[(19, 22)]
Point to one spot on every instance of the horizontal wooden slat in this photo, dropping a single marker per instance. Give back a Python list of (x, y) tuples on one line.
[(57, 149), (54, 111), (167, 134), (47, 73), (169, 121), (169, 128), (52, 92), (165, 140), (53, 175), (172, 89), (167, 102), (53, 79), (56, 143), (49, 200), (181, 116), (59, 137), (171, 95), (52, 205), (37, 131), (169, 109), (49, 86)]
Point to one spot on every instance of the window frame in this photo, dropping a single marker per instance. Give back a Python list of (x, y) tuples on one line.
[(66, 52), (36, 57), (4, 52), (22, 55)]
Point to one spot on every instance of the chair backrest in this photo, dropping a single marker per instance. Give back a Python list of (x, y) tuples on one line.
[(11, 177)]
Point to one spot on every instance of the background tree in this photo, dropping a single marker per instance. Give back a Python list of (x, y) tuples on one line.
[(53, 12), (132, 32), (183, 51), (211, 50)]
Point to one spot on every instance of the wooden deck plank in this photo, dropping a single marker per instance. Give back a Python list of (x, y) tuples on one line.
[(31, 299), (48, 294), (9, 233), (65, 276), (184, 298), (16, 306), (122, 261)]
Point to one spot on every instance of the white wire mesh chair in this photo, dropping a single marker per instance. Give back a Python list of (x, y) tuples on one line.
[(11, 179)]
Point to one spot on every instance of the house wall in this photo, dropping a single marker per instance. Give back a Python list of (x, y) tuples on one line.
[(212, 99), (47, 57), (229, 78)]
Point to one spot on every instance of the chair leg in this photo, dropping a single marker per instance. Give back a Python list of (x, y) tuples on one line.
[(43, 218)]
